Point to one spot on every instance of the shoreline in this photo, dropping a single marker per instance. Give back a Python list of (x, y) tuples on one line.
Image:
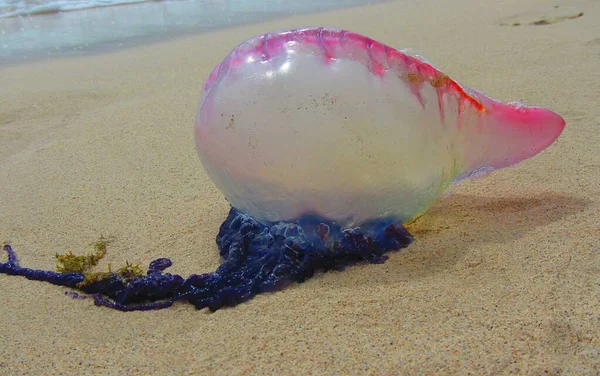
[(114, 18)]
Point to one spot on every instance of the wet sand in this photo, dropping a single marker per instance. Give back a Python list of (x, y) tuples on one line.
[(503, 276)]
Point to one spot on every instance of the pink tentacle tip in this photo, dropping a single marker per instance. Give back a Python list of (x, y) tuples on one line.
[(524, 131), (544, 125)]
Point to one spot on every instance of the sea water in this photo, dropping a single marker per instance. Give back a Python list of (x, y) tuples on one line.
[(33, 29)]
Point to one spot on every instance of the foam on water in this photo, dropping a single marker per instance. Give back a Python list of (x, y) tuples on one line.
[(14, 8)]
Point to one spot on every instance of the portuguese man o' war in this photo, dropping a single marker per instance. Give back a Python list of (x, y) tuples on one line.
[(334, 123), (325, 143)]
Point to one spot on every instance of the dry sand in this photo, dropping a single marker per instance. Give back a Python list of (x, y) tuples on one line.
[(503, 277)]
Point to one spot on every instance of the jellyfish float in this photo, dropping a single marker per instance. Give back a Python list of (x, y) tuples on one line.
[(325, 143)]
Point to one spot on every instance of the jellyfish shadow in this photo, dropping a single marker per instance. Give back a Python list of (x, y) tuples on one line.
[(448, 232), (487, 217)]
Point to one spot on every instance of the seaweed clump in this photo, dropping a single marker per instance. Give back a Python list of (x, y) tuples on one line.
[(257, 258), (70, 263)]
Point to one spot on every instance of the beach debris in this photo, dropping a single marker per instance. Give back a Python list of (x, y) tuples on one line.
[(326, 143)]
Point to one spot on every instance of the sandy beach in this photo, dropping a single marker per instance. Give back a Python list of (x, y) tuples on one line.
[(503, 278)]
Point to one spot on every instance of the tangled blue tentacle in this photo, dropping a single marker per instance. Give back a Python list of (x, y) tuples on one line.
[(257, 258)]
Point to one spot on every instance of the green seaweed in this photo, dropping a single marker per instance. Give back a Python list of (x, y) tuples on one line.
[(70, 263)]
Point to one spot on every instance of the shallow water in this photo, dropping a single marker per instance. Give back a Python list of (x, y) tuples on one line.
[(49, 28)]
